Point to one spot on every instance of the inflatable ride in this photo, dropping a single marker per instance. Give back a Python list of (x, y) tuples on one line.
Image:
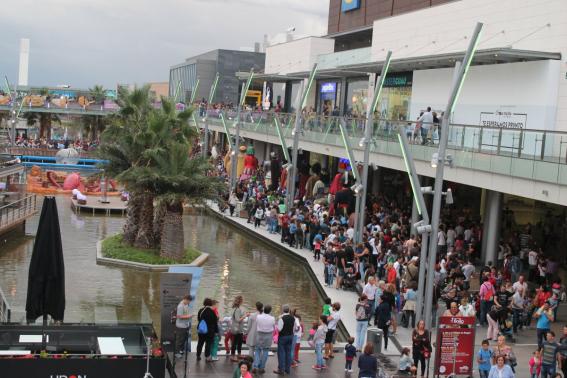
[(52, 182)]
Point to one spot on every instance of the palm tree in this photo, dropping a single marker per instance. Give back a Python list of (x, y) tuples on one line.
[(45, 121), (123, 144), (97, 94), (95, 124), (178, 179)]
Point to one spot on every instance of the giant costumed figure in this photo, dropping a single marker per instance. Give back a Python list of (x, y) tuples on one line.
[(240, 161), (250, 164)]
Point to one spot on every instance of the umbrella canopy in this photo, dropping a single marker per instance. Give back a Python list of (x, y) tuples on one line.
[(46, 278)]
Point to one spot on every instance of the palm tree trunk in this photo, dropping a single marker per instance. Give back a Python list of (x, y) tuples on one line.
[(144, 238), (172, 238), (159, 215), (134, 208)]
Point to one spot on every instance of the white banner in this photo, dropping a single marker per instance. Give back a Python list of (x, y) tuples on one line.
[(503, 119)]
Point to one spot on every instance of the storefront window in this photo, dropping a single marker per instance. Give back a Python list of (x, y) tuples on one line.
[(328, 96), (294, 93), (396, 96), (356, 97)]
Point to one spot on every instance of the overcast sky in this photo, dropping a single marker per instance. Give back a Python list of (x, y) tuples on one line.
[(87, 42)]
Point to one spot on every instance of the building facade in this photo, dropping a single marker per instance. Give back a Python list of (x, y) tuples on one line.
[(183, 77), (509, 127)]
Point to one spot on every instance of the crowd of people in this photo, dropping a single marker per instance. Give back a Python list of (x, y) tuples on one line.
[(57, 144), (523, 281), (259, 330)]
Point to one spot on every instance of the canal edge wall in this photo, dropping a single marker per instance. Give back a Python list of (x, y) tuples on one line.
[(101, 260), (346, 306)]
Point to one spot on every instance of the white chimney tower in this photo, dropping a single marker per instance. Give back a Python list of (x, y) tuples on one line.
[(24, 62)]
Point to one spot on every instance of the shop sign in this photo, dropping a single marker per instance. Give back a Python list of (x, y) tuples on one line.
[(455, 346), (349, 5), (503, 119), (328, 87), (400, 79)]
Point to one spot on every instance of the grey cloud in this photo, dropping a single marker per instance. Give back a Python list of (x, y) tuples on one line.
[(109, 41)]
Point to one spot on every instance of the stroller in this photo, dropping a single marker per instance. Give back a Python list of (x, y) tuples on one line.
[(349, 279), (505, 325)]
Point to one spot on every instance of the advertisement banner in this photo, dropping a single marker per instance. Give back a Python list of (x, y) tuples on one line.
[(455, 346), (503, 119)]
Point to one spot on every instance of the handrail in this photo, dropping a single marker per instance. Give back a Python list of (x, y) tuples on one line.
[(14, 212), (531, 144), (5, 309)]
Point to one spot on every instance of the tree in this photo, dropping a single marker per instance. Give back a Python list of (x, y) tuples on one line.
[(123, 144), (97, 94), (178, 180), (95, 124)]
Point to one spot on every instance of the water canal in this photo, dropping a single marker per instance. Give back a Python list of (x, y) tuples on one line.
[(237, 265)]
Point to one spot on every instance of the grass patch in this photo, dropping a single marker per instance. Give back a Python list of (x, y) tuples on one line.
[(114, 247)]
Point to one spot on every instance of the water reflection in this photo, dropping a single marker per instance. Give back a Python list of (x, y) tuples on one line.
[(238, 265)]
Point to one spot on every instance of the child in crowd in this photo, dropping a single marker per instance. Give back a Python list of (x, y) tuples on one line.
[(350, 354), (312, 331), (319, 341), (327, 307), (484, 358), (406, 366), (535, 364)]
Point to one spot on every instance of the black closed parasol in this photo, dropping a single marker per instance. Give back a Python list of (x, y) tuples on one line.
[(46, 279)]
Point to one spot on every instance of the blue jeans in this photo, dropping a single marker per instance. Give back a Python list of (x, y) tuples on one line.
[(516, 313), (261, 357), (483, 373), (361, 327), (484, 309), (361, 270), (284, 353), (547, 371), (541, 335), (331, 275), (295, 341), (319, 361)]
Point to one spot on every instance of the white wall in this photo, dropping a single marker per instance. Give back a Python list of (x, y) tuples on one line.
[(519, 24), (296, 56), (526, 88)]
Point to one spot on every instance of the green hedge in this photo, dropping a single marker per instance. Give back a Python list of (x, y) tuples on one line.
[(113, 247)]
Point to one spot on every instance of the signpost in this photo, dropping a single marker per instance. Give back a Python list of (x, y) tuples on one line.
[(455, 346), (173, 286)]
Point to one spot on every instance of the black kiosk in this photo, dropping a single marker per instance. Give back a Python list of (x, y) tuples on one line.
[(81, 351)]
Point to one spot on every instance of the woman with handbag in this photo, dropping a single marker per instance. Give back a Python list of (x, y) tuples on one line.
[(421, 345), (207, 328)]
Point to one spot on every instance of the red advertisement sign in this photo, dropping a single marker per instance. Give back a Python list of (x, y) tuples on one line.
[(455, 346)]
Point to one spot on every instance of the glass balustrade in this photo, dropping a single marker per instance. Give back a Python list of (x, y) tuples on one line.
[(532, 154)]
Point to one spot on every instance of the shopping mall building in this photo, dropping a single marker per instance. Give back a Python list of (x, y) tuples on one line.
[(509, 133)]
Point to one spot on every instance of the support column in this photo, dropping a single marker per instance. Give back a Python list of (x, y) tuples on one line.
[(376, 180), (414, 218), (491, 229)]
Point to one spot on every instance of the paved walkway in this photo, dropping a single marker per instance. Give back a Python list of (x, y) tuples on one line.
[(347, 299), (225, 368), (525, 340)]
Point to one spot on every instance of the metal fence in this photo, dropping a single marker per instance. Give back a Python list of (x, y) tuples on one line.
[(5, 309), (15, 212)]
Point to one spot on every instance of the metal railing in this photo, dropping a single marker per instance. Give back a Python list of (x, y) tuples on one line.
[(533, 154), (15, 212), (49, 152), (5, 309)]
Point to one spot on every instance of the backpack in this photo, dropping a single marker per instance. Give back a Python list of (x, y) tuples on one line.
[(202, 328), (361, 313), (489, 293)]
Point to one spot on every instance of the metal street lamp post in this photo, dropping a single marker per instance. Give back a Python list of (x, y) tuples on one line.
[(296, 131), (438, 189), (361, 197)]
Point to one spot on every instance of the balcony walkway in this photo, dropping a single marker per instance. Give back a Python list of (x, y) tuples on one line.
[(522, 162)]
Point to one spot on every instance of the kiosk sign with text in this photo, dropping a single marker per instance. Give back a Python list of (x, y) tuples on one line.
[(455, 346)]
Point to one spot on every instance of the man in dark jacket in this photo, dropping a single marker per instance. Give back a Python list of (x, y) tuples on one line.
[(383, 318)]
